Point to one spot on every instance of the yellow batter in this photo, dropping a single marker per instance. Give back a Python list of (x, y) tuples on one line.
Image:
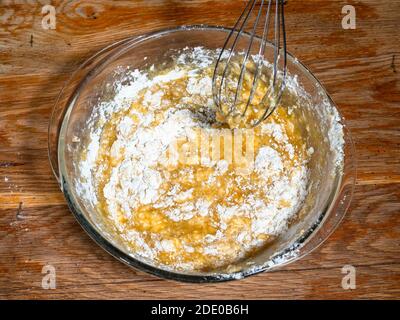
[(203, 210)]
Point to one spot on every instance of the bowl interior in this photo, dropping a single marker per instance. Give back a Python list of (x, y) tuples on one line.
[(331, 166)]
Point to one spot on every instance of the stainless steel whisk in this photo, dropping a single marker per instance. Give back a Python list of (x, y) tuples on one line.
[(221, 72)]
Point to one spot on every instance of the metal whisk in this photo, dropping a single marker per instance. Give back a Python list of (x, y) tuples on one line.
[(222, 72)]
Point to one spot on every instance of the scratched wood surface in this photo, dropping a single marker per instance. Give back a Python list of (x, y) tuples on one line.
[(360, 69)]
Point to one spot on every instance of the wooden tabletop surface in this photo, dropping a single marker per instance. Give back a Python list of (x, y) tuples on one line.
[(359, 67)]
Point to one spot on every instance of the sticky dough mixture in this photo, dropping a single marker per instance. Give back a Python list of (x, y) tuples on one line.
[(202, 213)]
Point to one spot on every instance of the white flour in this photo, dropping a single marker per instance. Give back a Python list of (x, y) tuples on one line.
[(134, 182), (138, 179)]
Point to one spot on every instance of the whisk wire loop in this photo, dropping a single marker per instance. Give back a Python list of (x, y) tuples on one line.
[(221, 81)]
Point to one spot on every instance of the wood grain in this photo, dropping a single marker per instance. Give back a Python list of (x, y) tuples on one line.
[(360, 69)]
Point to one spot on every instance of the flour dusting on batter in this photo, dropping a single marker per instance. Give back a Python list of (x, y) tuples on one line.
[(203, 213)]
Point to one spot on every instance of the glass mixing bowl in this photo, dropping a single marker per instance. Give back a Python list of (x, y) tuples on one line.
[(330, 189)]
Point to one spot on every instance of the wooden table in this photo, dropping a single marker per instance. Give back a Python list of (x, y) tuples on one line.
[(360, 69)]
